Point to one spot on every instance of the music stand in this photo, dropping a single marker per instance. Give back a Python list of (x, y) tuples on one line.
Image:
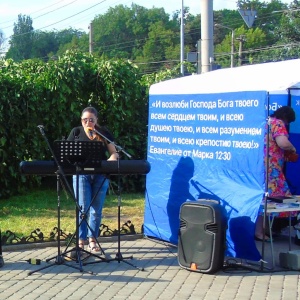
[(84, 155), (59, 258)]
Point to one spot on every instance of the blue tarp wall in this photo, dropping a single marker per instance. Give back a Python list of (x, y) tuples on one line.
[(205, 141)]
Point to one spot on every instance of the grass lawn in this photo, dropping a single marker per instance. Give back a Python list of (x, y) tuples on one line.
[(38, 209)]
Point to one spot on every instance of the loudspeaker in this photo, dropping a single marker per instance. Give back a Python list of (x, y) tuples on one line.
[(202, 235)]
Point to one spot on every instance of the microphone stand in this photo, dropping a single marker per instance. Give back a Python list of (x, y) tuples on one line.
[(119, 148), (119, 257), (265, 198)]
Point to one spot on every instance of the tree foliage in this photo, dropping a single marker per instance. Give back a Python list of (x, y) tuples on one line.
[(151, 37), (1, 39), (262, 42), (281, 32), (22, 39), (136, 33), (26, 43)]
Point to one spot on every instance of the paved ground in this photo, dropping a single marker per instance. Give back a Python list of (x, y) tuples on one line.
[(162, 277)]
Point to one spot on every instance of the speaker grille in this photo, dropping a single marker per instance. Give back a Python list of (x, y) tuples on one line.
[(183, 224), (213, 228)]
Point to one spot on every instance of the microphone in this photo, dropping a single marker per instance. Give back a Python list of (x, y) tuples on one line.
[(41, 128), (90, 131), (77, 133)]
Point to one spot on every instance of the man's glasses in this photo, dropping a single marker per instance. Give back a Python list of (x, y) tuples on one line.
[(85, 120)]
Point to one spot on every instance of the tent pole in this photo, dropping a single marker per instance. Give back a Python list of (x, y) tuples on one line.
[(266, 194)]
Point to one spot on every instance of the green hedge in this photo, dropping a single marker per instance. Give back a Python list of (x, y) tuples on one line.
[(53, 94)]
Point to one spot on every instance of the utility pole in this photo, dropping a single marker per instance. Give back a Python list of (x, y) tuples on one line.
[(182, 39), (199, 57), (207, 42), (242, 40), (232, 49), (91, 38)]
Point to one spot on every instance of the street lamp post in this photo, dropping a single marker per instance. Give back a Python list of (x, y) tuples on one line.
[(232, 43)]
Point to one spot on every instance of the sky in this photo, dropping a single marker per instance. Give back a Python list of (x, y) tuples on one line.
[(50, 15)]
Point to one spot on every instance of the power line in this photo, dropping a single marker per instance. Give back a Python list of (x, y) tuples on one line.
[(267, 48), (48, 12), (51, 11), (33, 12), (59, 21), (73, 15)]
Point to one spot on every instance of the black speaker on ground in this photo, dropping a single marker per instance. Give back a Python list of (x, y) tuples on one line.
[(202, 236)]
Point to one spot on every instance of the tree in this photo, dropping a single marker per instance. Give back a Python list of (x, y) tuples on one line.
[(43, 44), (138, 34), (288, 31), (154, 50), (49, 44), (287, 34), (27, 43), (265, 43), (113, 33), (225, 17), (22, 39), (253, 39), (1, 38), (268, 18), (76, 43)]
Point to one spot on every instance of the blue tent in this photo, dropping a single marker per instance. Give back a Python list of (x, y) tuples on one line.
[(206, 140)]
